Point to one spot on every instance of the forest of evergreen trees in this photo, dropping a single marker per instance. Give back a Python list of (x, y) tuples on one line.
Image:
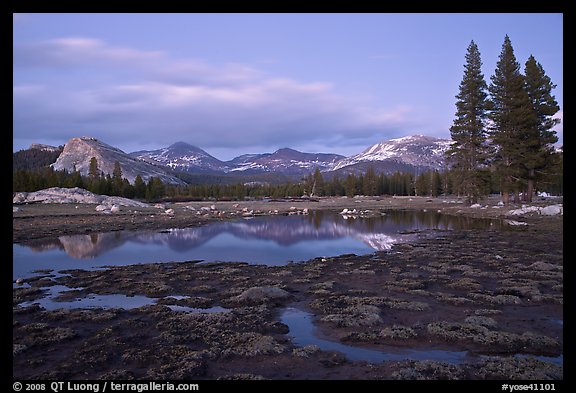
[(503, 143), (429, 183), (505, 128)]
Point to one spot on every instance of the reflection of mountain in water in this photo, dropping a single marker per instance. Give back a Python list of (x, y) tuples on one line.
[(83, 246), (378, 233)]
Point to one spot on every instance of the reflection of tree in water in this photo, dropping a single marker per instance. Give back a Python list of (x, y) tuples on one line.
[(462, 223), (436, 220), (402, 220), (315, 218), (41, 245)]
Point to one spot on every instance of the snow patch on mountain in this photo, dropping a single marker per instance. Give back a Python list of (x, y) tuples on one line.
[(183, 157), (415, 150), (288, 161)]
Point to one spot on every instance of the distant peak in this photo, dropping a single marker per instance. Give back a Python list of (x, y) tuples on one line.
[(287, 150), (416, 138), (88, 138), (180, 145), (408, 138)]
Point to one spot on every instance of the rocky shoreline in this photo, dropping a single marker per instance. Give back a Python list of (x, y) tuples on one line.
[(496, 295)]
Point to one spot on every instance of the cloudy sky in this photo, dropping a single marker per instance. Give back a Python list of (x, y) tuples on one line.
[(251, 83)]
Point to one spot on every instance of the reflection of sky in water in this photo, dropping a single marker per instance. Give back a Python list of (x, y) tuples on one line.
[(302, 333), (90, 301), (274, 240), (107, 301)]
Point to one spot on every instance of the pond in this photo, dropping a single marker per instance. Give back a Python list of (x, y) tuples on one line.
[(270, 240)]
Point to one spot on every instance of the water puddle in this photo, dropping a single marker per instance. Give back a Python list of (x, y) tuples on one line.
[(302, 333), (209, 310), (89, 301), (49, 302)]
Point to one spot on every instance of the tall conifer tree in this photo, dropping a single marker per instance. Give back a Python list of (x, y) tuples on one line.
[(513, 122), (539, 88), (468, 153), (93, 170)]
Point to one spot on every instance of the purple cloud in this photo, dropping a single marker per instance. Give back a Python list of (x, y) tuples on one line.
[(166, 100)]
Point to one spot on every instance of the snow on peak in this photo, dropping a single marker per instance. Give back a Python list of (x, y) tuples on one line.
[(416, 150)]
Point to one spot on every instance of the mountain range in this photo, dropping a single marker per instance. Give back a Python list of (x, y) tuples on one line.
[(187, 158), (414, 153)]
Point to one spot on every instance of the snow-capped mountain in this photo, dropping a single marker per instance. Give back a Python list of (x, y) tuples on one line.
[(245, 159), (184, 157), (406, 153), (286, 161), (78, 152)]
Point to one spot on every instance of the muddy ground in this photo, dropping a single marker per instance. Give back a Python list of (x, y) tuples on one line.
[(496, 294)]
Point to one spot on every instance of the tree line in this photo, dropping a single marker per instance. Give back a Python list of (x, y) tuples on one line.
[(34, 158), (504, 130), (29, 180), (428, 183)]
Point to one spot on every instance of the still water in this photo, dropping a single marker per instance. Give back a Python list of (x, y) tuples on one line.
[(302, 331), (270, 240)]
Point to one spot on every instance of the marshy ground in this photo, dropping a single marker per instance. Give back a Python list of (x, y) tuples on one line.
[(495, 294)]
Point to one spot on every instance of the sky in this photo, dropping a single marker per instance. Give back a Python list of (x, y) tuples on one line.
[(236, 84)]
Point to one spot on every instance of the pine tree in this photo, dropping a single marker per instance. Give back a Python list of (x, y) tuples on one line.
[(155, 189), (513, 122), (93, 171), (117, 179), (435, 184), (468, 153), (139, 187), (127, 190), (75, 179), (539, 88), (370, 185), (421, 184), (318, 184), (350, 185)]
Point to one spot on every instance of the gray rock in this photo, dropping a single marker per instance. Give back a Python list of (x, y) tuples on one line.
[(259, 294), (552, 210), (544, 266), (306, 351), (19, 197), (482, 321), (74, 195)]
